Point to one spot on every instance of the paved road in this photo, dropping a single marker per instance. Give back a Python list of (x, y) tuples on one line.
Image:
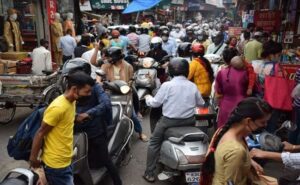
[(130, 173)]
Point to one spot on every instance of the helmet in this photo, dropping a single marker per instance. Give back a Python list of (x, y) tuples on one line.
[(76, 64), (178, 67), (115, 53), (156, 42), (184, 49), (198, 49), (115, 33)]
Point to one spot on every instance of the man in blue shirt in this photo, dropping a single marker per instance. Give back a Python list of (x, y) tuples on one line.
[(179, 98), (93, 115), (169, 44), (67, 43)]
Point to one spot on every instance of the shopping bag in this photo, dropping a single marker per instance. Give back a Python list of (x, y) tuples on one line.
[(277, 91)]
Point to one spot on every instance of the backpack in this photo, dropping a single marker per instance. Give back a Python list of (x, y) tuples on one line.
[(19, 146)]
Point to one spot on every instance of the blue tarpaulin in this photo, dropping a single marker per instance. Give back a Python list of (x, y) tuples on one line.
[(140, 5)]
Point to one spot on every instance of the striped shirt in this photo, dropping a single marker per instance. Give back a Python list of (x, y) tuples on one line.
[(291, 160), (297, 80)]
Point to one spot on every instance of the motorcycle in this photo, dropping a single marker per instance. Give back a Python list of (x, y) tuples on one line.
[(184, 148), (119, 134)]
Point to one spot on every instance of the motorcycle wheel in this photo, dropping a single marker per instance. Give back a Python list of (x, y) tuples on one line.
[(51, 95), (7, 112)]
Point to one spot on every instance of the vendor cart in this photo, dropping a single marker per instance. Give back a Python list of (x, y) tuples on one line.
[(26, 91)]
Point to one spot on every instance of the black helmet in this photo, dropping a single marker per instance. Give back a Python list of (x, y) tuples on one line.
[(115, 53), (76, 64), (179, 67), (184, 49)]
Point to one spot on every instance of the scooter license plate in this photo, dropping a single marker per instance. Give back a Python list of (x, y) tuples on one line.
[(192, 177)]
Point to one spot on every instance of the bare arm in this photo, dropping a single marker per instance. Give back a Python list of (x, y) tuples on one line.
[(37, 144)]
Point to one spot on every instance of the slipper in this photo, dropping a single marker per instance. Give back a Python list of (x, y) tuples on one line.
[(149, 178), (144, 138)]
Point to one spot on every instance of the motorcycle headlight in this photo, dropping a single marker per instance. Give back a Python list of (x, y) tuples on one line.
[(181, 157)]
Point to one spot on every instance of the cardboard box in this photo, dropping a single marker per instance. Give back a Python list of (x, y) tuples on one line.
[(10, 66), (13, 55), (2, 69)]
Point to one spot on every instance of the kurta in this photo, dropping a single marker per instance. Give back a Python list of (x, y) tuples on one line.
[(12, 36), (232, 85), (56, 33), (69, 25)]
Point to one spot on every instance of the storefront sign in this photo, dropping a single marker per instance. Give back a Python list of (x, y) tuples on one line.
[(177, 2), (51, 10), (109, 4), (85, 5), (269, 20), (235, 31)]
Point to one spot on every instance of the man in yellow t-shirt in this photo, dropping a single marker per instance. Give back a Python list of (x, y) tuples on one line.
[(55, 136)]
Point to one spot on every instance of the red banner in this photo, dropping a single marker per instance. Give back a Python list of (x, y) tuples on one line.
[(269, 20), (51, 10)]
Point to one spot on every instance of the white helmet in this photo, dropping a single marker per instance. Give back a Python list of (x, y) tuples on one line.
[(156, 40)]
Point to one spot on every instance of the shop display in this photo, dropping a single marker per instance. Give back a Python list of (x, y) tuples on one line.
[(56, 33), (12, 33), (68, 24)]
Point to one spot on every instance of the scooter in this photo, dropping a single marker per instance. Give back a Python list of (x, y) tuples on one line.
[(119, 134), (269, 141), (146, 79), (184, 148)]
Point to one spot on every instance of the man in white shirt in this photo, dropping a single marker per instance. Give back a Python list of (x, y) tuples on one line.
[(41, 58), (92, 56), (218, 45)]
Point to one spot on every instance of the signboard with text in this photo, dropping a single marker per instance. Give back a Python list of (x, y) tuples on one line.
[(109, 4), (235, 31), (51, 10), (269, 20)]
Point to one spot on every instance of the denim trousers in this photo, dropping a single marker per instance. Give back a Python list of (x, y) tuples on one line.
[(136, 122), (59, 176)]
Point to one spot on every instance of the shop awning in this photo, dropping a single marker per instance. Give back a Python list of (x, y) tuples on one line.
[(140, 5)]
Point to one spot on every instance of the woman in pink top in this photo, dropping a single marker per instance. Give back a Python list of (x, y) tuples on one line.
[(231, 86)]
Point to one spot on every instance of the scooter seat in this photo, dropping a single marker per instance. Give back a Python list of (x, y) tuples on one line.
[(178, 132)]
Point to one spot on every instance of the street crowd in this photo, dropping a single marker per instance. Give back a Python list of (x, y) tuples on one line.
[(235, 83)]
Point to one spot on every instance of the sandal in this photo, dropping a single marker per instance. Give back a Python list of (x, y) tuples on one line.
[(149, 178), (143, 137)]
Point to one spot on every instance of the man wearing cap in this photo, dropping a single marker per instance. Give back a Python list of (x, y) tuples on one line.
[(253, 48)]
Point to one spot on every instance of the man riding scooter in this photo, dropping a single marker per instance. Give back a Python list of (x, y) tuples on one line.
[(179, 97), (93, 114)]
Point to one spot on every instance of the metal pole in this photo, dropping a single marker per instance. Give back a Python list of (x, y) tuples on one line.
[(137, 17)]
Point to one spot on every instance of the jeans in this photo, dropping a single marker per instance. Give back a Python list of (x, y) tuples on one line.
[(158, 137), (294, 137), (136, 122), (61, 176), (99, 156)]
